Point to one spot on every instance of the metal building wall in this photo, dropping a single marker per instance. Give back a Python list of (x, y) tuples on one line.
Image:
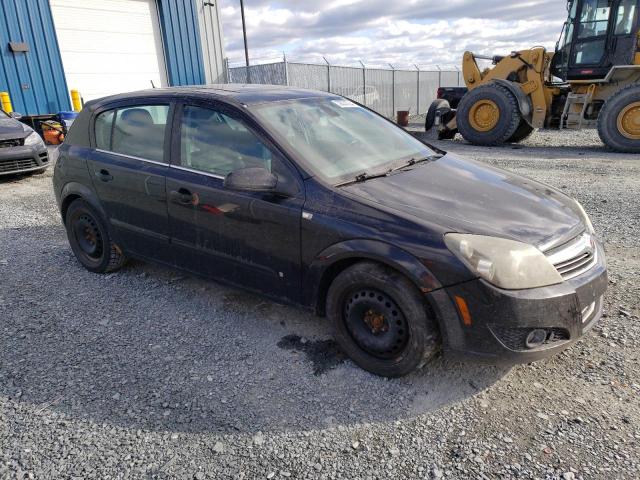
[(211, 40), (34, 79), (181, 40)]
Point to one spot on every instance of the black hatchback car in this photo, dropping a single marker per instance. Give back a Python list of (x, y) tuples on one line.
[(314, 200)]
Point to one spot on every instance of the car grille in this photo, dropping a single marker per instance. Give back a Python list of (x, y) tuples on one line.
[(516, 338), (17, 164), (575, 257), (15, 142)]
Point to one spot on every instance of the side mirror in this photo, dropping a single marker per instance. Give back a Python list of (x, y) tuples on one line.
[(252, 179), (16, 115)]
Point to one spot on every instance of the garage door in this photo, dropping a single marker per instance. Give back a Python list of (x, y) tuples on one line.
[(109, 46)]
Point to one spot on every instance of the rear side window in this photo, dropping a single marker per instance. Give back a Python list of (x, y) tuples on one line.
[(104, 128), (137, 131)]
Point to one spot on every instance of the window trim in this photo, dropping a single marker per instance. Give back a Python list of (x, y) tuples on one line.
[(132, 103)]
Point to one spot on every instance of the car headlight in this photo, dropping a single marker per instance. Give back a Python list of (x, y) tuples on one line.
[(504, 263), (33, 139), (585, 218)]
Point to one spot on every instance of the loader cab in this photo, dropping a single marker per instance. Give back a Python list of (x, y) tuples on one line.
[(597, 35)]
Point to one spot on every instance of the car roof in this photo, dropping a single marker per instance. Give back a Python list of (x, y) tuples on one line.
[(243, 94)]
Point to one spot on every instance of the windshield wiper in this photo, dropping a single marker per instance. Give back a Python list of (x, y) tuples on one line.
[(412, 161), (363, 177)]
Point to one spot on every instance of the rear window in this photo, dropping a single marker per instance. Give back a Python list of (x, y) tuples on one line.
[(136, 131)]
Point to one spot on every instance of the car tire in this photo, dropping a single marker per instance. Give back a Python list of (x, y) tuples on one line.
[(618, 126), (381, 320), (90, 239), (523, 132), (488, 115)]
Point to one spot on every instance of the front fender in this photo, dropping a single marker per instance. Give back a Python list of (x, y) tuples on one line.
[(524, 102), (323, 268)]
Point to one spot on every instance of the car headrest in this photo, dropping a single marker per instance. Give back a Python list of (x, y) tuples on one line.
[(137, 117)]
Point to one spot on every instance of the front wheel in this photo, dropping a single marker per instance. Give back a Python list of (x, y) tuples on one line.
[(381, 320), (488, 115), (619, 120)]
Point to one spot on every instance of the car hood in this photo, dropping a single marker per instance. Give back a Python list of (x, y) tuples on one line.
[(11, 128), (470, 197)]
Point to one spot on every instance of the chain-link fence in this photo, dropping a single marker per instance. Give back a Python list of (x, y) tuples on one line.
[(384, 90)]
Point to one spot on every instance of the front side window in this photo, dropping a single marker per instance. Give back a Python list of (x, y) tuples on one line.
[(214, 142), (137, 131), (337, 139)]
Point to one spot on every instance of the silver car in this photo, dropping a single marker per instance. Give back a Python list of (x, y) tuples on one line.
[(21, 148)]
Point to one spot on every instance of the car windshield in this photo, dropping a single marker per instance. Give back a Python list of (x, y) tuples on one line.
[(339, 140)]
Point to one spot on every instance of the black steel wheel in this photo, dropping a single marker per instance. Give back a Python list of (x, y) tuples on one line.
[(376, 323), (90, 240), (381, 320)]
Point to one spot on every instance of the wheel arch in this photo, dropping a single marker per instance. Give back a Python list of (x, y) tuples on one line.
[(74, 190), (524, 101), (338, 257)]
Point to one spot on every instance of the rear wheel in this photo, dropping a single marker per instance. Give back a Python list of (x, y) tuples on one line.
[(381, 321), (619, 120), (488, 115), (523, 132), (90, 239)]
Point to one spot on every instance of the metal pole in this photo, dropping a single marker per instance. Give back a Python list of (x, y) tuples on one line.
[(439, 76), (393, 90), (227, 73), (246, 47), (364, 84), (286, 69), (328, 74), (418, 90), (459, 73)]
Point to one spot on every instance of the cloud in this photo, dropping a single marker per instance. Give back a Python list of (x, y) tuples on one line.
[(379, 32)]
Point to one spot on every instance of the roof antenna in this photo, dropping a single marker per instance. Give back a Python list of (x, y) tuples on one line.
[(152, 84)]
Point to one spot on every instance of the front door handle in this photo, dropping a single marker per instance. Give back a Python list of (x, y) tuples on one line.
[(181, 196), (104, 175)]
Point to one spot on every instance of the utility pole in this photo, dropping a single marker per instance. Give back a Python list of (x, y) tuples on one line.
[(246, 47)]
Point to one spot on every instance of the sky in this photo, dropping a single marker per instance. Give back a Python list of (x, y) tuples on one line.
[(425, 33)]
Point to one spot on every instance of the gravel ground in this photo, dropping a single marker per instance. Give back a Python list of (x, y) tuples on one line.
[(148, 373)]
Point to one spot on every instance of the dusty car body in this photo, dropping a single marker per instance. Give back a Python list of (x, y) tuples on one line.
[(425, 252)]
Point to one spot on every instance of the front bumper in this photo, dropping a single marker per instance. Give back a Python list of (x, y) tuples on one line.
[(23, 159), (501, 320)]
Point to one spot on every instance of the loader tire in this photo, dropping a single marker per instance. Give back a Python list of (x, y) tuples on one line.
[(619, 120), (488, 115), (523, 132)]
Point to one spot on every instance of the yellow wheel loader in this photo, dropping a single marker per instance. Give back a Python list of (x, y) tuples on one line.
[(592, 80)]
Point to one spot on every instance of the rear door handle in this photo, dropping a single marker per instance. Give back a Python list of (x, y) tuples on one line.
[(104, 175), (181, 196)]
